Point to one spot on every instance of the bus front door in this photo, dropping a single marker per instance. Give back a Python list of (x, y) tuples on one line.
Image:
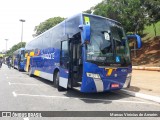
[(64, 64)]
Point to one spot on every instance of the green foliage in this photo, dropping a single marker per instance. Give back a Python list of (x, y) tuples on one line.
[(15, 47), (152, 9), (88, 11), (128, 12), (51, 22), (149, 31)]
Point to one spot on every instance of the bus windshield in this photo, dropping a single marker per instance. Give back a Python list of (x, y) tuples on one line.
[(108, 43)]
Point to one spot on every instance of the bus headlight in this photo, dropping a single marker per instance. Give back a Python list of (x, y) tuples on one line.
[(92, 75)]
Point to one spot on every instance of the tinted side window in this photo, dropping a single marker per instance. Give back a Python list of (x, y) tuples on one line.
[(57, 34), (65, 49), (72, 26), (64, 54), (46, 40)]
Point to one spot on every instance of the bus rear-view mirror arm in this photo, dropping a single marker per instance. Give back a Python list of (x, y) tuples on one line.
[(86, 31), (137, 38)]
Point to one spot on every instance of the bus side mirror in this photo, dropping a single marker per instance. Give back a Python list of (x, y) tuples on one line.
[(86, 32), (137, 38), (31, 54)]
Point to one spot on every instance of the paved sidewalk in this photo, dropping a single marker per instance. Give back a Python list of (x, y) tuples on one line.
[(146, 68), (147, 82)]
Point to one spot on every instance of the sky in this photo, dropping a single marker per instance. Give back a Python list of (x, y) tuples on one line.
[(33, 12)]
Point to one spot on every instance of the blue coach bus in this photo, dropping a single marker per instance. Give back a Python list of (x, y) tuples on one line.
[(86, 52), (18, 59)]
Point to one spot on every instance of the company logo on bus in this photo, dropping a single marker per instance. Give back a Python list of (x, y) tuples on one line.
[(110, 71), (48, 56)]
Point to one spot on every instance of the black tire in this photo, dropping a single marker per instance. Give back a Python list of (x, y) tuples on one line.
[(30, 72), (129, 84), (56, 82), (18, 68)]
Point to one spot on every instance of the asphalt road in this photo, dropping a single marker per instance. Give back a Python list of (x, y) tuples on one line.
[(19, 92)]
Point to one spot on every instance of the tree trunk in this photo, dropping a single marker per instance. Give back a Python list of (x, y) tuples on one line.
[(154, 27)]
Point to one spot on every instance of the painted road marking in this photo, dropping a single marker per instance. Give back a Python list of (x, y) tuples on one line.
[(18, 77), (142, 95), (23, 84), (14, 94), (26, 118), (92, 99)]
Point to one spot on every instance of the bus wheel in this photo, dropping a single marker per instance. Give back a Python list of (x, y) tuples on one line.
[(56, 82), (30, 72), (18, 68), (128, 86)]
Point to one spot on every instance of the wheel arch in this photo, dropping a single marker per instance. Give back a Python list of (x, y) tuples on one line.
[(54, 72)]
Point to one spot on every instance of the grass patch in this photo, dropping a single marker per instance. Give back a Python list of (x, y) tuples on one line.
[(149, 31)]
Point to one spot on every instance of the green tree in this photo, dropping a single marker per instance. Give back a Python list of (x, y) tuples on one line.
[(42, 27), (152, 9), (128, 12), (15, 47), (88, 11)]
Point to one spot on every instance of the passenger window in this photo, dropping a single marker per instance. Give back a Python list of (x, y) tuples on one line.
[(65, 49), (64, 55)]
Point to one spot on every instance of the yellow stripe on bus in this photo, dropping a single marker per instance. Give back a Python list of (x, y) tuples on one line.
[(37, 72), (28, 62)]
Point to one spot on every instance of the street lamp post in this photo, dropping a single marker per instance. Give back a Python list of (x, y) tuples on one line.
[(6, 44), (21, 20)]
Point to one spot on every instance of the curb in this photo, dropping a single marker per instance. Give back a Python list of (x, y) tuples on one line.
[(146, 68), (141, 95)]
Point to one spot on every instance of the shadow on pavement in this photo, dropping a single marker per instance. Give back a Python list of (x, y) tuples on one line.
[(133, 88), (101, 97), (137, 89)]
